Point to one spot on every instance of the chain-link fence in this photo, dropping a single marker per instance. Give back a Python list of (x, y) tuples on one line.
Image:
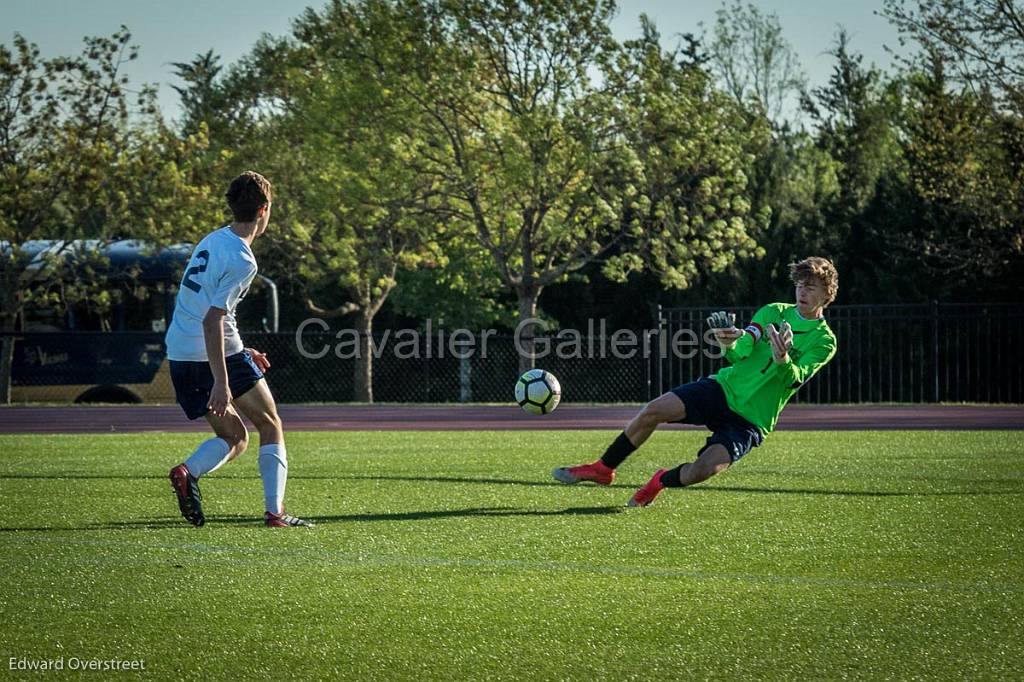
[(487, 374), (130, 367), (887, 353)]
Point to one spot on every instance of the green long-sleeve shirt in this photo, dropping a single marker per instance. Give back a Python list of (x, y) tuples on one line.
[(756, 388)]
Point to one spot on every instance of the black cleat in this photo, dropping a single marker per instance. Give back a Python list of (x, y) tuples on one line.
[(186, 487)]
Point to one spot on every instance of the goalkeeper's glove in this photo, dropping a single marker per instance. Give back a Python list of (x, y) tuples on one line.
[(722, 320)]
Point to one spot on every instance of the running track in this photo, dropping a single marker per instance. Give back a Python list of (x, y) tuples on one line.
[(132, 419)]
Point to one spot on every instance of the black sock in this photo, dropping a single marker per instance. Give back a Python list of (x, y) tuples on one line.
[(618, 451), (670, 479)]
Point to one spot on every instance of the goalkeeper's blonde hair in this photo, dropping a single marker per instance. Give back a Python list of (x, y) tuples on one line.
[(816, 270)]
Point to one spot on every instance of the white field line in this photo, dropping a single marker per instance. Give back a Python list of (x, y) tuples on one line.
[(250, 556)]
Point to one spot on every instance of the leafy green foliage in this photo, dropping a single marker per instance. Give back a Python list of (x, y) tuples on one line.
[(689, 205), (964, 164), (354, 206), (81, 159), (753, 61), (527, 138), (60, 129), (513, 147), (981, 41), (457, 285), (546, 168), (203, 97)]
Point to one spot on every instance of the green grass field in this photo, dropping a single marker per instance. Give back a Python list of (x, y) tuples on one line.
[(455, 556)]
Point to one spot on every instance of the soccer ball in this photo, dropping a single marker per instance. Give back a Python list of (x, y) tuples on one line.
[(538, 392)]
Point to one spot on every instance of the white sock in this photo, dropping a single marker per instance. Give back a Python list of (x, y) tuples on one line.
[(208, 457), (274, 471)]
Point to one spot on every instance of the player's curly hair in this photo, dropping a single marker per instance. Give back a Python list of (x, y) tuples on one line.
[(247, 193), (816, 270)]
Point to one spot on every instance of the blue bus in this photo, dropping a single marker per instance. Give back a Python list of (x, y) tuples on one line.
[(82, 353)]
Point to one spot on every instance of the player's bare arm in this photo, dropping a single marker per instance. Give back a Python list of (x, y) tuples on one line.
[(213, 333)]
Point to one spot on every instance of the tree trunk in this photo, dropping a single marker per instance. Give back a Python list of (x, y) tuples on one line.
[(527, 309), (362, 378), (6, 362)]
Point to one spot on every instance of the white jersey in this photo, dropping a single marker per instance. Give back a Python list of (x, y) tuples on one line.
[(218, 275)]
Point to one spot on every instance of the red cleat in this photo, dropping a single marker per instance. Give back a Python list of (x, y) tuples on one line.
[(650, 490), (597, 473)]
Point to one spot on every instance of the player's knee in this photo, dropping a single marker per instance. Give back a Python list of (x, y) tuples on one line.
[(713, 461), (238, 439), (714, 469), (651, 415), (269, 425), (702, 472)]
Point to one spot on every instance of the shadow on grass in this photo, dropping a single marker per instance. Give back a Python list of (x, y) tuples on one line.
[(708, 488), (239, 520), (468, 479), (475, 511)]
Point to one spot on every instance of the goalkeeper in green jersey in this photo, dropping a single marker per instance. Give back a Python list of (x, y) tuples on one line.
[(783, 346)]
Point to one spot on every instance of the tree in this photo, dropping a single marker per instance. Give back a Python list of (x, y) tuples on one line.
[(536, 157), (523, 137), (351, 209), (755, 65), (490, 134), (360, 207), (796, 182), (202, 98), (78, 159), (60, 122), (456, 284), (753, 61), (981, 40), (855, 114), (235, 102), (965, 167), (694, 149), (822, 186), (965, 149)]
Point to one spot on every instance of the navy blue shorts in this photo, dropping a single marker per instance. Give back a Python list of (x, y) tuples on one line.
[(706, 406), (193, 381)]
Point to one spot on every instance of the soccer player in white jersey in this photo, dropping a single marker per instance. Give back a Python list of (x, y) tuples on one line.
[(214, 375)]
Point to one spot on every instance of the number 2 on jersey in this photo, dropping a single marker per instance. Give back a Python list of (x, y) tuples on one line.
[(203, 255)]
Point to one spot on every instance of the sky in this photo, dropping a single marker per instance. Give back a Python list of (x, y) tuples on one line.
[(176, 31)]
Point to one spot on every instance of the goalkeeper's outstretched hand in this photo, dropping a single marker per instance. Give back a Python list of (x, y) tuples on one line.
[(781, 341), (723, 326)]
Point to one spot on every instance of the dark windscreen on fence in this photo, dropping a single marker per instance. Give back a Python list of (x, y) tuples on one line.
[(897, 353), (887, 353)]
